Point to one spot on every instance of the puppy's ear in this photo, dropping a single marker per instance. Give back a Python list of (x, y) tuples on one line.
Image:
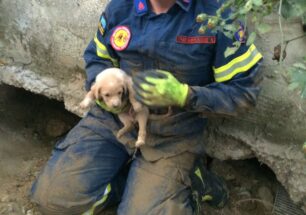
[(98, 92), (125, 93), (125, 88), (129, 85)]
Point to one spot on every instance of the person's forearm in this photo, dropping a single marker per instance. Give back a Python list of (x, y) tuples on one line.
[(226, 98)]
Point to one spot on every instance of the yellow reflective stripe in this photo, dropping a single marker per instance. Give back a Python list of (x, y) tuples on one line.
[(236, 60), (103, 53), (101, 201), (240, 69), (240, 64)]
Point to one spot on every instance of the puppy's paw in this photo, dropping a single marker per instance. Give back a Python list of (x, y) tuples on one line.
[(139, 143), (120, 133), (85, 103)]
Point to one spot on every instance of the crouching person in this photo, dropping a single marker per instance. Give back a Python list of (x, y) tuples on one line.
[(157, 43)]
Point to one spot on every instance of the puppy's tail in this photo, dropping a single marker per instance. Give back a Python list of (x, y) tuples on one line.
[(161, 116)]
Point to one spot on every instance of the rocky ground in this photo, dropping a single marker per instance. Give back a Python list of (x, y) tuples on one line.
[(30, 125)]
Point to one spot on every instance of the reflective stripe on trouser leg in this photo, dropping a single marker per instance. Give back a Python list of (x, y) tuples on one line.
[(100, 202)]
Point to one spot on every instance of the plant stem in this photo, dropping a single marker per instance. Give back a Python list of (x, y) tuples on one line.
[(281, 30), (295, 38)]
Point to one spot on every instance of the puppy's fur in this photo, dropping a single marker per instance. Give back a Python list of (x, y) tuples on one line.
[(113, 86)]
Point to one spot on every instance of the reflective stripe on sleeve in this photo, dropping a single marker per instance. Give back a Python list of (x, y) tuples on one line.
[(100, 202), (103, 53), (238, 65)]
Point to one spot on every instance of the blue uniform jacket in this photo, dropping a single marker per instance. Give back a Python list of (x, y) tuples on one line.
[(170, 41)]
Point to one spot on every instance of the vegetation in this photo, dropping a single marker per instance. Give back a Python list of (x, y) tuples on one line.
[(255, 11)]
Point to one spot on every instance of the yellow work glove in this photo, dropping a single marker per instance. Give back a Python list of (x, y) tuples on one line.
[(159, 88)]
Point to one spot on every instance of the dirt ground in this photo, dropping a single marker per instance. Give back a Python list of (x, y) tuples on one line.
[(30, 125)]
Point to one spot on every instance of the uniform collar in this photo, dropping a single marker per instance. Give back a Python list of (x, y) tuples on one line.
[(184, 4), (142, 6)]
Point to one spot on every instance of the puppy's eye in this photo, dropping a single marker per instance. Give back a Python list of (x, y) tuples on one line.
[(107, 95), (119, 93)]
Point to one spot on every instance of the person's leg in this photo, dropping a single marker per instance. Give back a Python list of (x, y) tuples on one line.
[(207, 186), (162, 187), (83, 173)]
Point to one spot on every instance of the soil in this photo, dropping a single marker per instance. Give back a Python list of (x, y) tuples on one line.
[(30, 125), (27, 133)]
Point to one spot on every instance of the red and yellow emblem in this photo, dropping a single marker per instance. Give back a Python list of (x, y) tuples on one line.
[(120, 38)]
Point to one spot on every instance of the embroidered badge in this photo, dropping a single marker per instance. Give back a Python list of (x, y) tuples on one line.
[(240, 35), (196, 39), (141, 6), (102, 25), (120, 38)]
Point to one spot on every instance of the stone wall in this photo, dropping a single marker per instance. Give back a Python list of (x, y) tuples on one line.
[(42, 43), (41, 46)]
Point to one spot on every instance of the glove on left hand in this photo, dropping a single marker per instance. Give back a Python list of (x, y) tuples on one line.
[(160, 89)]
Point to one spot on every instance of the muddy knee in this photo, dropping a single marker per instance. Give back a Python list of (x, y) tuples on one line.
[(58, 196)]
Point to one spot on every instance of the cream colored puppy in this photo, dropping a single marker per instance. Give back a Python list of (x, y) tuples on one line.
[(114, 87)]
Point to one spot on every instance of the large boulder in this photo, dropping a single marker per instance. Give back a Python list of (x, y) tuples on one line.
[(42, 44), (41, 47)]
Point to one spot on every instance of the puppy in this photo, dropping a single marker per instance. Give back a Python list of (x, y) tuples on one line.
[(114, 87)]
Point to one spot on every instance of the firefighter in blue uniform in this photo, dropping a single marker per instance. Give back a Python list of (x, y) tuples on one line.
[(171, 65)]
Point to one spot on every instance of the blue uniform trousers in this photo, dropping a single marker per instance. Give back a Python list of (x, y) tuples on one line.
[(90, 170)]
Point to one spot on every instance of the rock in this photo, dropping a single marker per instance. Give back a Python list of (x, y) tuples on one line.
[(29, 212), (244, 194), (10, 208), (230, 176), (244, 201), (56, 127), (5, 198), (265, 194), (23, 210)]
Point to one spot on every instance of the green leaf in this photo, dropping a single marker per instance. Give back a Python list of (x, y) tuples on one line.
[(297, 74), (231, 27), (228, 34), (230, 51), (237, 44), (303, 94), (251, 38), (293, 86), (300, 66), (257, 2), (263, 28), (292, 9), (304, 149), (248, 6)]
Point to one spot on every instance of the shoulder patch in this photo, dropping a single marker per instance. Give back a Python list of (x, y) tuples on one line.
[(120, 38), (102, 25)]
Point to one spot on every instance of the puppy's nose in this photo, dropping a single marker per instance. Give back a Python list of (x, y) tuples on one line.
[(116, 105)]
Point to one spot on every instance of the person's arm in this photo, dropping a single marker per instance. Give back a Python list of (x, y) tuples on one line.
[(98, 55), (235, 87), (237, 78)]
